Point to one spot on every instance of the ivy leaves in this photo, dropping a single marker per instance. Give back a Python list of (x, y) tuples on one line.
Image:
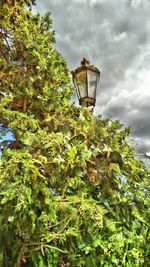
[(72, 193)]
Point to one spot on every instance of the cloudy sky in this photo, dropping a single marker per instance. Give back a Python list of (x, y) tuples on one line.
[(115, 36)]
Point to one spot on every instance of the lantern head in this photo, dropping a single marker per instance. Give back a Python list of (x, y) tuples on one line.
[(85, 79)]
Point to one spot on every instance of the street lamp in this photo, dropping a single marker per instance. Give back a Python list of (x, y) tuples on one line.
[(147, 155), (85, 79)]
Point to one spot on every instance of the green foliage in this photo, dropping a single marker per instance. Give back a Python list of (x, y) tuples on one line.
[(72, 192)]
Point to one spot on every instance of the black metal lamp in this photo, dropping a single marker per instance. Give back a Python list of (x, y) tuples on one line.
[(85, 79)]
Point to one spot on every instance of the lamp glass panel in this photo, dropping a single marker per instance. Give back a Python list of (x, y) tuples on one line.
[(81, 81), (92, 83)]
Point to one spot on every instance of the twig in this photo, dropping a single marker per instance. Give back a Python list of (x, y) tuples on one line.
[(18, 264), (58, 249), (66, 224), (58, 223), (7, 43), (24, 108)]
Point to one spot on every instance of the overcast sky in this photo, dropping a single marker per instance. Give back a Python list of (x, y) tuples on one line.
[(115, 36)]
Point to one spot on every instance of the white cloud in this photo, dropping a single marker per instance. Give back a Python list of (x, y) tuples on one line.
[(94, 2), (137, 3), (120, 37)]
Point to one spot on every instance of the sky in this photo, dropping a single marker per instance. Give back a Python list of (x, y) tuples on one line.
[(115, 36)]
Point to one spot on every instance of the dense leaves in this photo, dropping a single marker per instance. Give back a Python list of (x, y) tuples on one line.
[(72, 192)]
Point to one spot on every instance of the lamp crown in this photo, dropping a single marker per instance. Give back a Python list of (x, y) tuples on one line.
[(85, 62)]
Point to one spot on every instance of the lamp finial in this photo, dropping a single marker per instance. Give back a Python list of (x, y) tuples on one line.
[(85, 62)]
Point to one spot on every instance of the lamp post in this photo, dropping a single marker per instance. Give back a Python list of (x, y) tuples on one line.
[(146, 155), (85, 79)]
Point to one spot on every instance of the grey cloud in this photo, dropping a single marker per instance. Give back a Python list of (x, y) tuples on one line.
[(115, 36)]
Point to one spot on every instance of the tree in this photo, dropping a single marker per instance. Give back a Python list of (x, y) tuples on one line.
[(72, 192)]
